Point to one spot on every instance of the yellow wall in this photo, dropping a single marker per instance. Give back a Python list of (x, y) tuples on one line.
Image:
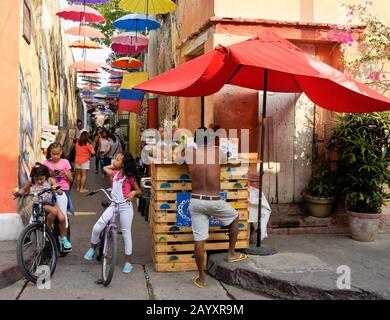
[(21, 88), (48, 46)]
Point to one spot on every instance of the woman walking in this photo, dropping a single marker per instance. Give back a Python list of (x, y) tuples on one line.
[(96, 139), (84, 150), (104, 149)]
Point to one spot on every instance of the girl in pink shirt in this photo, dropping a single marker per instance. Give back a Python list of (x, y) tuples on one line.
[(60, 169), (125, 186)]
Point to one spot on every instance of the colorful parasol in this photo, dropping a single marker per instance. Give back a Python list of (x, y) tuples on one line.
[(86, 31), (136, 22), (127, 63), (84, 65), (148, 6), (130, 38), (80, 13), (89, 1), (85, 44), (127, 49)]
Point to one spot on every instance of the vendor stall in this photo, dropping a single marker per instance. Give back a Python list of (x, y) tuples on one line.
[(170, 220)]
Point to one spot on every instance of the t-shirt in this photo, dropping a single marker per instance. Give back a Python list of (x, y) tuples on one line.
[(61, 179), (126, 186), (83, 153), (103, 144), (115, 148)]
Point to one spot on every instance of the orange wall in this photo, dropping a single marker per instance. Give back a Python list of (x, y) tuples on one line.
[(9, 103), (192, 14)]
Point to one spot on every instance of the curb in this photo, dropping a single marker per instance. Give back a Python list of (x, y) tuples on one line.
[(254, 280), (9, 274)]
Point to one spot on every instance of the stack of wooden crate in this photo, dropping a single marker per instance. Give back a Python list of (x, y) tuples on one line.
[(172, 245)]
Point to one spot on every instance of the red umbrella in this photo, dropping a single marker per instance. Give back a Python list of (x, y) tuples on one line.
[(267, 62), (80, 13), (288, 68)]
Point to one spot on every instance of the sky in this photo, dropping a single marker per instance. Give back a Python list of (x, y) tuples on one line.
[(98, 56)]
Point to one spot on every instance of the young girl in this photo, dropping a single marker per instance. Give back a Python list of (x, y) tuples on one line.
[(40, 180), (60, 169), (125, 186)]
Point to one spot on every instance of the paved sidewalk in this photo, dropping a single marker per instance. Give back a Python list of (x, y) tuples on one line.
[(75, 278), (309, 266), (9, 270)]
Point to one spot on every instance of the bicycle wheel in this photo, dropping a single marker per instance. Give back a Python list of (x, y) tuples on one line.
[(109, 259), (35, 251)]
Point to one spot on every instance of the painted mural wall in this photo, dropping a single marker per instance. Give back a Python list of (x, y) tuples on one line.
[(47, 85)]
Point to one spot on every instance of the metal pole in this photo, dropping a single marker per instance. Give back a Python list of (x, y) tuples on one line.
[(261, 171), (261, 250), (202, 112)]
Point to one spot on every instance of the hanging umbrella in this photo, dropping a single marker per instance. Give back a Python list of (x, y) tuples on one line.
[(106, 90), (85, 44), (80, 13), (89, 1), (86, 31), (127, 63), (267, 62), (130, 38), (136, 22), (148, 6), (127, 49), (85, 65)]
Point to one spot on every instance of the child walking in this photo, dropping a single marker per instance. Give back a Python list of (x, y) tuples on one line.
[(60, 169), (124, 186), (40, 180)]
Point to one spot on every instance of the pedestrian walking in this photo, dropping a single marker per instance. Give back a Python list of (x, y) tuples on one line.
[(119, 133), (205, 168), (115, 147), (96, 139), (125, 186), (84, 150), (104, 149)]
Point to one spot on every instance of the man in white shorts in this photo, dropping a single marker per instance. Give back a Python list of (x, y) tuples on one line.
[(205, 169)]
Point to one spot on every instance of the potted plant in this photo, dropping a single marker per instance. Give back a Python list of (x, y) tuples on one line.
[(319, 195), (362, 142)]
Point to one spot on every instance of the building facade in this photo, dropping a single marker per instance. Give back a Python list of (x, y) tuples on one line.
[(296, 129), (38, 89)]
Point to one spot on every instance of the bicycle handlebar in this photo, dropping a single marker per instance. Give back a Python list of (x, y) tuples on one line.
[(36, 194), (107, 195)]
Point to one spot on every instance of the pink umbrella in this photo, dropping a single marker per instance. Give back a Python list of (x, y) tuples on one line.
[(80, 13), (130, 38), (85, 65), (127, 49), (86, 31)]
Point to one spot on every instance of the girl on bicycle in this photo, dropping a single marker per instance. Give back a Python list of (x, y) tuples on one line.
[(124, 186), (60, 169), (40, 179)]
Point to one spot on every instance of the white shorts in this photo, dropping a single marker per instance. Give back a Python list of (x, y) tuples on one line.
[(201, 210), (84, 166)]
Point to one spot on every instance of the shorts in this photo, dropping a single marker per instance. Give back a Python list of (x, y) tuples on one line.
[(201, 210), (84, 166)]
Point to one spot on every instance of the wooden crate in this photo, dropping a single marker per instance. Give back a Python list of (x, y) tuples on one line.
[(173, 246)]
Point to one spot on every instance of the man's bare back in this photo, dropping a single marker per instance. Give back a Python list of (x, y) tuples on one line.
[(206, 176)]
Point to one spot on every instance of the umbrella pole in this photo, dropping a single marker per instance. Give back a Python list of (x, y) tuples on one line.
[(261, 250)]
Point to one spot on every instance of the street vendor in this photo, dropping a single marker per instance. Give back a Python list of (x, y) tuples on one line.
[(206, 200)]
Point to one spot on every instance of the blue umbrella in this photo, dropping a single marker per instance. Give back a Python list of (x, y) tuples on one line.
[(136, 22)]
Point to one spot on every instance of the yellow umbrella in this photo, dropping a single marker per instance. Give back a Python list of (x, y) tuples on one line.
[(148, 6), (85, 44)]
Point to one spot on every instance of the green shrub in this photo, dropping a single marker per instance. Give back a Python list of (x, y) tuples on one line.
[(362, 142)]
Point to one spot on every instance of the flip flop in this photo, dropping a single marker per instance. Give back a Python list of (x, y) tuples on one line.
[(84, 191), (195, 282), (240, 258)]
